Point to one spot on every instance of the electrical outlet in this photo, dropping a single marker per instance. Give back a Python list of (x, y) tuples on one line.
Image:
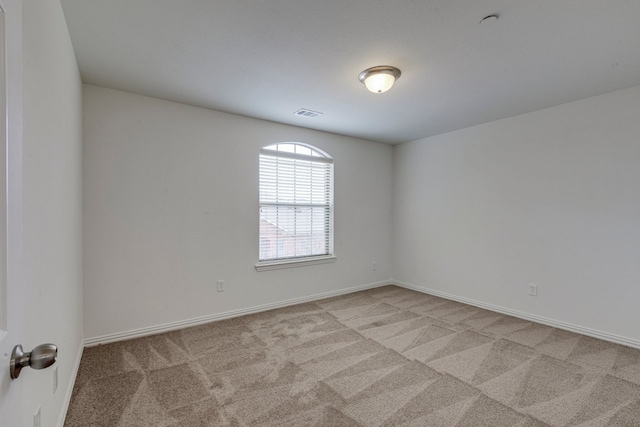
[(220, 285), (55, 379), (533, 290), (37, 418), (374, 266)]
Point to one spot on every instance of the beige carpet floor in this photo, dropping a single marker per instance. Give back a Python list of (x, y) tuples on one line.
[(382, 357)]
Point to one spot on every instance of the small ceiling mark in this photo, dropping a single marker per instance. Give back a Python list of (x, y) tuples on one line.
[(303, 112), (490, 19)]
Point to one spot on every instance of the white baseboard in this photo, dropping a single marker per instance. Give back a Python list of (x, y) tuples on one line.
[(151, 330), (66, 400), (630, 342)]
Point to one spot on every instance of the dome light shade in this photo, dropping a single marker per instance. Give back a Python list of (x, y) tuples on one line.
[(379, 79)]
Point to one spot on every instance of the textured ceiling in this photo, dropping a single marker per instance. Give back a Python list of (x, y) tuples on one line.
[(269, 58)]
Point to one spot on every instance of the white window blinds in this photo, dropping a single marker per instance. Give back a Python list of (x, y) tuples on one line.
[(296, 202)]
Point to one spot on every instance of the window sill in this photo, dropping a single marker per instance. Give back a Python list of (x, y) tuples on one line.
[(277, 265)]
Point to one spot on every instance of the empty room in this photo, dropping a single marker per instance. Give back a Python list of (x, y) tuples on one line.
[(320, 213)]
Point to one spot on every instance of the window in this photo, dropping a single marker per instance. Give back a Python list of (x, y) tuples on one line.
[(296, 205)]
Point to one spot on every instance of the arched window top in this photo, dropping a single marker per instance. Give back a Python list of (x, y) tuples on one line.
[(298, 149)]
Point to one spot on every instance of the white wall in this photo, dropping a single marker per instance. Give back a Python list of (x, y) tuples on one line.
[(171, 205), (550, 197), (52, 204)]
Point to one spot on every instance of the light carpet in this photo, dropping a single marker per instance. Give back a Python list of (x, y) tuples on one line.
[(382, 357)]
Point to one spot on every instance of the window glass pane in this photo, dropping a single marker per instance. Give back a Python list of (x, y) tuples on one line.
[(287, 148), (300, 149), (289, 232)]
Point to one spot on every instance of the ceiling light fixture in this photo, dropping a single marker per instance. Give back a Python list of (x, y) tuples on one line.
[(379, 79)]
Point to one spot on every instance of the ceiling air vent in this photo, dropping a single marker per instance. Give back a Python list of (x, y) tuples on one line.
[(303, 112)]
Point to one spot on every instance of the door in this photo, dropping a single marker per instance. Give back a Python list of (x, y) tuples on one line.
[(11, 304)]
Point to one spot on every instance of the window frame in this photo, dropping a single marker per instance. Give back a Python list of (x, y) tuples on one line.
[(319, 156)]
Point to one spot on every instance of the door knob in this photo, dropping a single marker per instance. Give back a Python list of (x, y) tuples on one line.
[(40, 357)]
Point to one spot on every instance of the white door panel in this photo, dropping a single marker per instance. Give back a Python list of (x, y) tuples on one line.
[(11, 273)]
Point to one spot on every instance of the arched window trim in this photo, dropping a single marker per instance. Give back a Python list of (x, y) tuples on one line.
[(317, 154)]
